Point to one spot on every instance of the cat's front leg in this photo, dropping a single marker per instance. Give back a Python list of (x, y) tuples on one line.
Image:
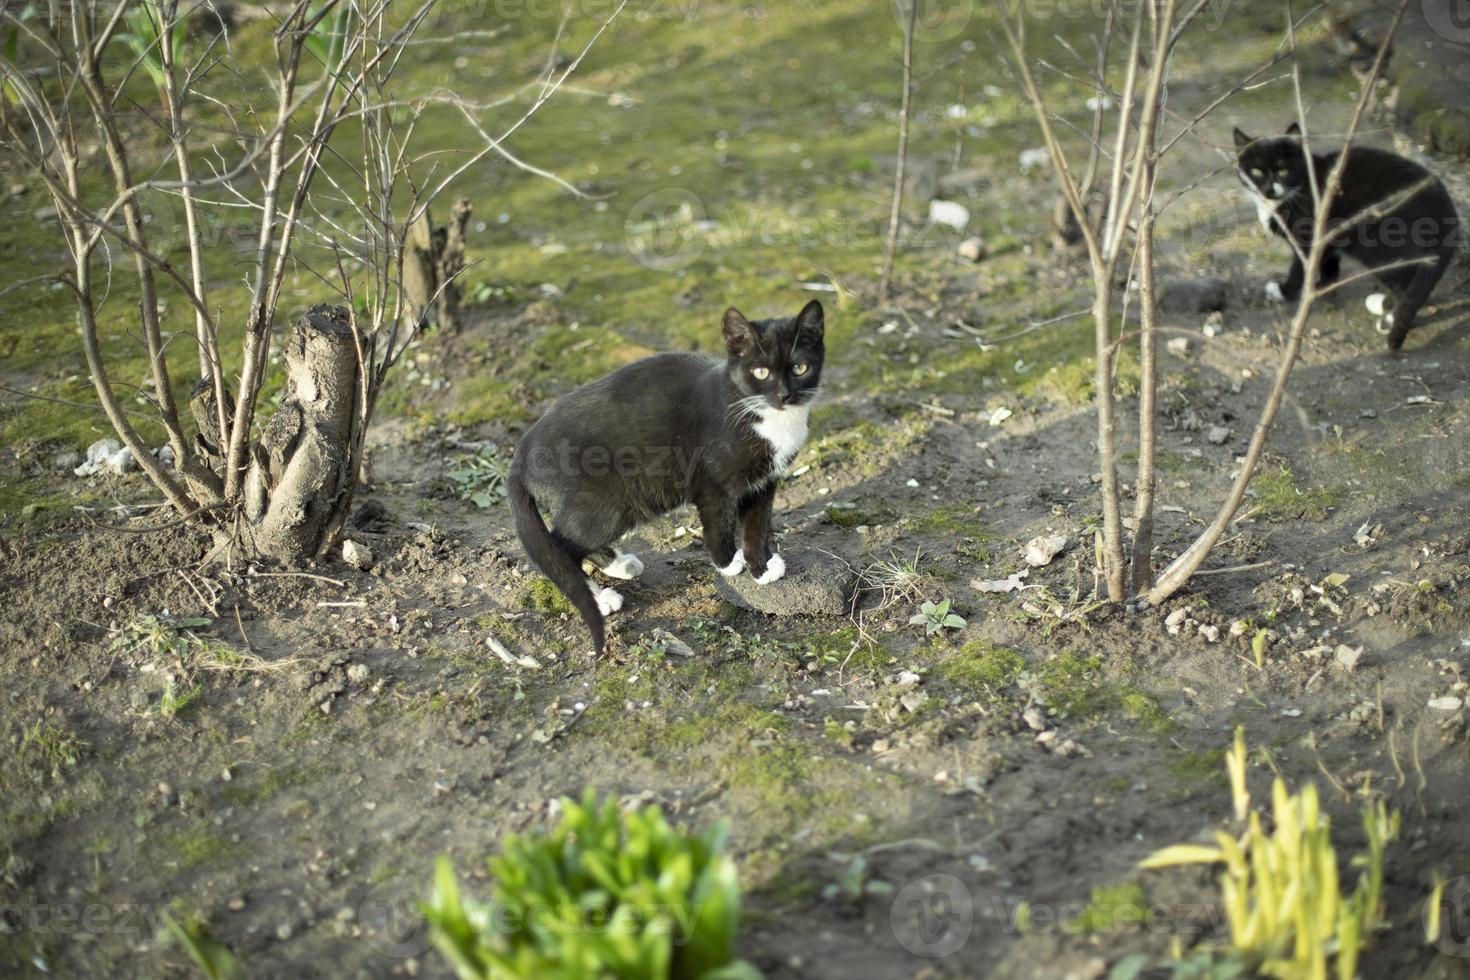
[(755, 534), (1288, 291), (719, 521)]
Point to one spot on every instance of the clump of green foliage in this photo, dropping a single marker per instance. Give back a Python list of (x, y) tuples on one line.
[(1288, 915), (546, 598), (935, 617), (1113, 907), (981, 665), (480, 477), (603, 894), (1278, 498)]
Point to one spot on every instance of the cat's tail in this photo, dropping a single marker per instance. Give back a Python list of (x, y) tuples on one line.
[(547, 554)]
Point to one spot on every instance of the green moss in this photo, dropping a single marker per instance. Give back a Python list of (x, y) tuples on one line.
[(981, 667), (1112, 908), (1077, 687), (193, 845), (956, 518), (1279, 498), (1195, 767), (546, 598)]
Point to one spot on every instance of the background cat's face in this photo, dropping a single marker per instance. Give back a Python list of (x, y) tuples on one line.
[(1274, 166), (778, 361)]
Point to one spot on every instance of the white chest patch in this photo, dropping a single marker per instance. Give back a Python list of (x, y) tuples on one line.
[(1264, 212), (785, 430)]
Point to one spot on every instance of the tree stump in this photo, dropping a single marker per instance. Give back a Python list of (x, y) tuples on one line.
[(302, 473), (433, 259)]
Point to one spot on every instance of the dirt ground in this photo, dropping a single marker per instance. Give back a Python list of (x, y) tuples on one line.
[(284, 753)]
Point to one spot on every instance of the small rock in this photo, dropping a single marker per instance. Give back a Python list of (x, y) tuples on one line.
[(1174, 622), (165, 455), (97, 454), (236, 904), (1347, 657), (226, 775), (1218, 435), (1038, 157), (1210, 632), (815, 583), (1178, 346), (120, 462), (1214, 325), (283, 931), (1041, 550), (67, 459), (907, 678), (357, 673), (1447, 703), (972, 249), (1033, 717), (1192, 295), (949, 213), (359, 556)]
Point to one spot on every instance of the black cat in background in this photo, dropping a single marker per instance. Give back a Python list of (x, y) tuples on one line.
[(1422, 227)]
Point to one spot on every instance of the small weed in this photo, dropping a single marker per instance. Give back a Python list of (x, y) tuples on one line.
[(479, 477), (936, 618), (1114, 908), (1278, 498)]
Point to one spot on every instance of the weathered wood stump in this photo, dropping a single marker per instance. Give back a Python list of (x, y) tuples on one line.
[(301, 477)]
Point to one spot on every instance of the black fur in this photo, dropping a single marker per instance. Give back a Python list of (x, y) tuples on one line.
[(665, 431), (1423, 226)]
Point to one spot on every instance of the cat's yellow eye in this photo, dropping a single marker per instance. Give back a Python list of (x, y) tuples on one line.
[(1257, 173), (760, 373), (1283, 171), (799, 370)]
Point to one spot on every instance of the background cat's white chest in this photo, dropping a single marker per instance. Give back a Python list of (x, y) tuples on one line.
[(785, 430)]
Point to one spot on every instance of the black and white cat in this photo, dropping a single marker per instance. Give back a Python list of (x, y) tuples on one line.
[(1422, 227), (669, 430)]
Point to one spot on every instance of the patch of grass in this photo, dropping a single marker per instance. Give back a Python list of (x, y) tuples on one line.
[(1194, 767), (948, 519), (546, 598), (1278, 496), (191, 846), (1112, 908), (981, 667), (1074, 686), (48, 748)]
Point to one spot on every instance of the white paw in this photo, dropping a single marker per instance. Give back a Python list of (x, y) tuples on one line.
[(736, 566), (1273, 292), (1374, 302), (609, 601), (775, 568), (624, 566)]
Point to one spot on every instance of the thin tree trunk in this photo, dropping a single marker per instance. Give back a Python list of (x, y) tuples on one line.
[(1142, 571), (1114, 569), (885, 277)]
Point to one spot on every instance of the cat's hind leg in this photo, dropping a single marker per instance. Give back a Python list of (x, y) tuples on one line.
[(1407, 303), (615, 564)]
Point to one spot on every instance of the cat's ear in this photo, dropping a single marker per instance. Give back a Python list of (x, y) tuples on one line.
[(1241, 140), (1293, 129), (739, 334), (811, 321)]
